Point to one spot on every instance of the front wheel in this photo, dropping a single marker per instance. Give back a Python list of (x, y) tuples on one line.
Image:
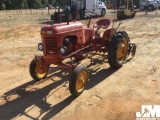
[(78, 80), (38, 69), (118, 49), (103, 12)]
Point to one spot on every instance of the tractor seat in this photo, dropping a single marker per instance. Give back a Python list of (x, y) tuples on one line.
[(103, 23)]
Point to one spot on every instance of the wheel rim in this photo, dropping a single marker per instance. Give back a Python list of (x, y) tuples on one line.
[(122, 49), (81, 80), (41, 69)]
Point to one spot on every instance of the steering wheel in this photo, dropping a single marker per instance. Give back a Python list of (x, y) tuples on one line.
[(102, 23)]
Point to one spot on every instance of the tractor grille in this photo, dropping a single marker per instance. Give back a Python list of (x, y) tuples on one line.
[(50, 45)]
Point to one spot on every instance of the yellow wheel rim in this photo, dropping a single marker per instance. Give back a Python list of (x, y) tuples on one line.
[(122, 49), (41, 69), (81, 80)]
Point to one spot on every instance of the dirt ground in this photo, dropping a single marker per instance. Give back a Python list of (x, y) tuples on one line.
[(109, 95)]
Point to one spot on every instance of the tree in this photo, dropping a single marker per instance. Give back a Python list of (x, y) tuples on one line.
[(21, 4), (45, 2), (2, 5), (8, 4), (16, 4), (34, 3), (51, 2), (61, 3)]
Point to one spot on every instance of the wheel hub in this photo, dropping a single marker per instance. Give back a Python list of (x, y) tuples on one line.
[(81, 81), (122, 49), (40, 69)]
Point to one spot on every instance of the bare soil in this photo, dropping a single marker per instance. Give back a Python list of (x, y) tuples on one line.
[(109, 95)]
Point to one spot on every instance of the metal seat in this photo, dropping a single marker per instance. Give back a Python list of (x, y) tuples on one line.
[(103, 23)]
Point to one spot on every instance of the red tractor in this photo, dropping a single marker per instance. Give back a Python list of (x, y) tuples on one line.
[(73, 40)]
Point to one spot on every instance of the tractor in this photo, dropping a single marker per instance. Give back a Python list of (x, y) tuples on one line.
[(72, 40), (126, 9)]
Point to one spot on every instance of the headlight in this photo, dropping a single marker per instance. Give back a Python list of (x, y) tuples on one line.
[(63, 50), (40, 47)]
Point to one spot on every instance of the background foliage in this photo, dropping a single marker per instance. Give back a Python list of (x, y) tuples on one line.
[(22, 4)]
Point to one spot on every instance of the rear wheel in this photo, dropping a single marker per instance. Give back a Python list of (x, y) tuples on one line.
[(118, 49), (38, 69), (78, 80)]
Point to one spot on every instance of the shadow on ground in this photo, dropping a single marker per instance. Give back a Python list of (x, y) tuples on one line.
[(37, 98)]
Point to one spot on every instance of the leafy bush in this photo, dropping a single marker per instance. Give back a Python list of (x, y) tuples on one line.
[(2, 6)]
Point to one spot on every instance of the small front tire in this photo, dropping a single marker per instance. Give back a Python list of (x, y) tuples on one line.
[(38, 69), (78, 80)]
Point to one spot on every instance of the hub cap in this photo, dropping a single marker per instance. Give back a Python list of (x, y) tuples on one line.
[(81, 81), (41, 69), (122, 49)]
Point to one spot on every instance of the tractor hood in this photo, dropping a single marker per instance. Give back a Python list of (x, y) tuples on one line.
[(61, 28)]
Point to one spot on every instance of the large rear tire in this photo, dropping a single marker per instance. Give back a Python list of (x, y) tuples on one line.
[(78, 80), (118, 49), (38, 69)]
